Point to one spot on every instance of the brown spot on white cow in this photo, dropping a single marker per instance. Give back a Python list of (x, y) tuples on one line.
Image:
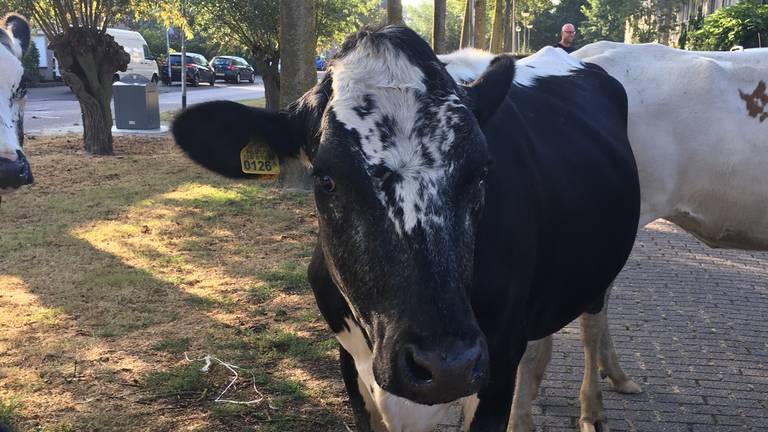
[(756, 101)]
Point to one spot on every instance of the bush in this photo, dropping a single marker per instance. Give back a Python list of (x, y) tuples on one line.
[(744, 24), (31, 62)]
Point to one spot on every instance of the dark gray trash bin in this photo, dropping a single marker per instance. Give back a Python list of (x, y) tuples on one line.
[(136, 103)]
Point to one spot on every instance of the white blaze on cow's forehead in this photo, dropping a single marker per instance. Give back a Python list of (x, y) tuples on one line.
[(548, 61), (11, 71), (379, 93)]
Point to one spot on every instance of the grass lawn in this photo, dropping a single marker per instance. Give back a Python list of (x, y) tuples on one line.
[(167, 116), (112, 268)]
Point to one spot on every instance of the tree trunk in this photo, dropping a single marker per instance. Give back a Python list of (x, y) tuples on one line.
[(497, 33), (508, 30), (266, 63), (438, 27), (298, 74), (466, 25), (479, 24), (88, 59), (394, 12), (97, 121), (297, 49)]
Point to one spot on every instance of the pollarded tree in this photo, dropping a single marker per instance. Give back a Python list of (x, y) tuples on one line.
[(88, 57)]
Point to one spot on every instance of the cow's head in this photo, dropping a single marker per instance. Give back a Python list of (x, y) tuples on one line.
[(14, 41), (399, 159)]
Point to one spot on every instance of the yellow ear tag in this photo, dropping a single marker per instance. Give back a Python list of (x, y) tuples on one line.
[(257, 158)]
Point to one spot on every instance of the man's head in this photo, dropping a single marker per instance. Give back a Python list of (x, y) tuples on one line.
[(567, 33)]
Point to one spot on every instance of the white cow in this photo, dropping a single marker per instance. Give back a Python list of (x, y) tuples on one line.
[(14, 40), (698, 126)]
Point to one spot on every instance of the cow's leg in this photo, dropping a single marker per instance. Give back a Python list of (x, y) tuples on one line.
[(367, 416), (530, 372), (592, 414), (608, 360), (495, 399)]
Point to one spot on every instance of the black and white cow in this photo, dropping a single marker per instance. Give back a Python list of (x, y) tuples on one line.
[(456, 223), (14, 41), (701, 166)]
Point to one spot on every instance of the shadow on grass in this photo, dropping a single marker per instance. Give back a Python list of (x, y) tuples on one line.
[(112, 314)]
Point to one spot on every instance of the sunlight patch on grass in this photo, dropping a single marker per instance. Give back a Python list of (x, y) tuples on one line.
[(47, 316)]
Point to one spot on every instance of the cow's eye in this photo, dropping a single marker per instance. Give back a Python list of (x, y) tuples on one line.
[(326, 183)]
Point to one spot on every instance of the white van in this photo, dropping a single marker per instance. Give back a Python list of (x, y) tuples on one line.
[(142, 61)]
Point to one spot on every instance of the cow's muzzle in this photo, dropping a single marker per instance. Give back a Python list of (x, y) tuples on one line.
[(15, 173), (430, 373)]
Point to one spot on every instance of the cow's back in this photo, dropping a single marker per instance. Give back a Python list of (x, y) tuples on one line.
[(699, 132), (563, 196)]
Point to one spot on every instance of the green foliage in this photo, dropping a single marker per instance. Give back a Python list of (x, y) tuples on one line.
[(338, 18), (744, 24), (419, 16), (253, 25), (694, 23), (605, 19), (654, 20), (31, 62)]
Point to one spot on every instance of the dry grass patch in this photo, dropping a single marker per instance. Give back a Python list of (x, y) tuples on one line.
[(112, 268)]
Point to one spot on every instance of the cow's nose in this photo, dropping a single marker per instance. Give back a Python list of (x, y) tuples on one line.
[(15, 173), (442, 375)]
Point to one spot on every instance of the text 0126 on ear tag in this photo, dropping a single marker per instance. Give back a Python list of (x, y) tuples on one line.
[(257, 158)]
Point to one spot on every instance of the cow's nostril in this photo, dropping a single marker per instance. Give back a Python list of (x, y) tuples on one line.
[(417, 367)]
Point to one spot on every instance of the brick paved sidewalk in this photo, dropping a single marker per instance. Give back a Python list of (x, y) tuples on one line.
[(690, 324)]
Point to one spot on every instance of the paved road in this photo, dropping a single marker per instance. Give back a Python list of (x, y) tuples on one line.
[(690, 324), (55, 108)]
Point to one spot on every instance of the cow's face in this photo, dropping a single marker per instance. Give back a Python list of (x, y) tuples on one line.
[(14, 40), (399, 161)]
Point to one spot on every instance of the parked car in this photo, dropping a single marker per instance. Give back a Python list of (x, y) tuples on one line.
[(232, 69), (142, 62), (197, 69)]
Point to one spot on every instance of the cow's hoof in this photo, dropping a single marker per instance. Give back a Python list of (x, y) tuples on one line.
[(627, 387), (598, 426)]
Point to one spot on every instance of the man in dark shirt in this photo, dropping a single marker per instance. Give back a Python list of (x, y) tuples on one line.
[(567, 33)]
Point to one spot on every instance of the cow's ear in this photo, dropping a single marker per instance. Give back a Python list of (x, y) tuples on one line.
[(488, 91), (214, 133), (18, 26)]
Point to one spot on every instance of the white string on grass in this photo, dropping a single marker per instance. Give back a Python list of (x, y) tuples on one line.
[(232, 368)]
